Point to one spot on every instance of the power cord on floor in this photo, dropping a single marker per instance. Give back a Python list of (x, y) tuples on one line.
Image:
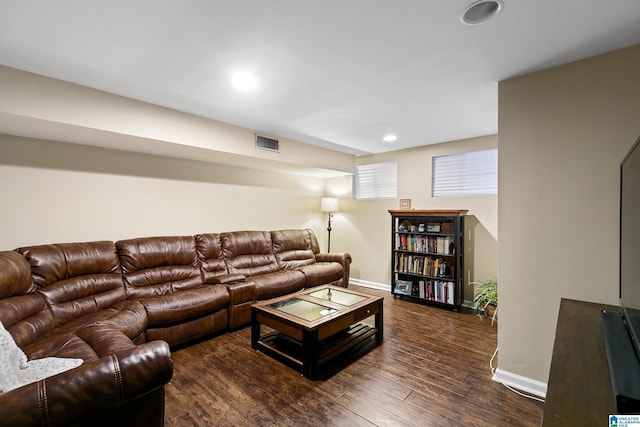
[(493, 373)]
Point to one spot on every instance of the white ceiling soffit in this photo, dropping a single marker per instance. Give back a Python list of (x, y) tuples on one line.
[(340, 74)]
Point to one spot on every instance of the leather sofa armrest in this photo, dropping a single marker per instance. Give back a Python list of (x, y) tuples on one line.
[(227, 278), (98, 386), (342, 258), (241, 292)]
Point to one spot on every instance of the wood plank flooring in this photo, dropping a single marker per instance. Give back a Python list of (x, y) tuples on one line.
[(432, 369)]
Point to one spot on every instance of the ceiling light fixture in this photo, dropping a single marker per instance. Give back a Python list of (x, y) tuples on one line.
[(481, 11), (389, 138), (243, 80)]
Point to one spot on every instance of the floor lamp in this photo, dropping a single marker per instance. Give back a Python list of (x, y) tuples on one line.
[(329, 205)]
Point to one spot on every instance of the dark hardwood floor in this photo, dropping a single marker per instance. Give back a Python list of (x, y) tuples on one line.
[(432, 369)]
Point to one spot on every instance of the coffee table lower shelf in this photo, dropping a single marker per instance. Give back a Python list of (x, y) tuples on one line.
[(291, 352)]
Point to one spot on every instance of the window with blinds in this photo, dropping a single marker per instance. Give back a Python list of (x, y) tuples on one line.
[(467, 174), (376, 181)]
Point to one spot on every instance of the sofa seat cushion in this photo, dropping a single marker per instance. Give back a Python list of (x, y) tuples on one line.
[(321, 273), (61, 344), (128, 316), (125, 317), (186, 304), (276, 284)]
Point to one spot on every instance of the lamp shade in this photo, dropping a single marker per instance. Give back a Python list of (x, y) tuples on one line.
[(330, 204)]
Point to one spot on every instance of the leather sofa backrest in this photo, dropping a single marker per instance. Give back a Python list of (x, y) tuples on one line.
[(210, 256), (313, 241), (23, 312), (76, 278), (248, 252), (159, 265), (292, 248)]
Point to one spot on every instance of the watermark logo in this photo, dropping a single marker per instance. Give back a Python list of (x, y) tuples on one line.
[(624, 420)]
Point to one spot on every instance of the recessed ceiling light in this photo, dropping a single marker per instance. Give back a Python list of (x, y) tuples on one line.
[(244, 80), (389, 138), (481, 11)]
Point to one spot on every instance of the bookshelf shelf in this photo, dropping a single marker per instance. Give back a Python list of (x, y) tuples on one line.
[(427, 255)]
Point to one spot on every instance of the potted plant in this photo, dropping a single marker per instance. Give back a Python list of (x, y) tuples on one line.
[(486, 299)]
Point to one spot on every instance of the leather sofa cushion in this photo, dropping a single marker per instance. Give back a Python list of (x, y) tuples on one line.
[(249, 253), (56, 262), (60, 344), (187, 304), (292, 248), (23, 312), (15, 275), (209, 250), (127, 317), (321, 273), (189, 330), (154, 266), (76, 278), (273, 285), (104, 339)]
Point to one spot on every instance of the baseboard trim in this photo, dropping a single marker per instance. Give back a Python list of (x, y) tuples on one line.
[(373, 285), (528, 385)]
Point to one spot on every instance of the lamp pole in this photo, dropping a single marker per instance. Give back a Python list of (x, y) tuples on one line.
[(329, 205), (329, 231)]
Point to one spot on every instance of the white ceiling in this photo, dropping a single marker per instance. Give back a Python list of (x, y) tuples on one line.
[(338, 73)]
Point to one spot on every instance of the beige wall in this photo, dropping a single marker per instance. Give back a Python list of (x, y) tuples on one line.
[(563, 133), (59, 192), (369, 222)]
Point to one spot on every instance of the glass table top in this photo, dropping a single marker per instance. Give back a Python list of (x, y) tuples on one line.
[(340, 297), (306, 310)]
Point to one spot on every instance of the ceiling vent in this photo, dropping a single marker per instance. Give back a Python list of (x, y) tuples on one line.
[(267, 143)]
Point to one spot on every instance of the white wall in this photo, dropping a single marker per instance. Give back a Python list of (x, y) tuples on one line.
[(563, 133)]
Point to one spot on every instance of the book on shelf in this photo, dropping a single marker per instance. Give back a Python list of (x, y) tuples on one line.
[(420, 243), (437, 290), (424, 265)]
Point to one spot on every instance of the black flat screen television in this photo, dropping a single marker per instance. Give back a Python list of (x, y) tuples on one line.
[(621, 329), (630, 242)]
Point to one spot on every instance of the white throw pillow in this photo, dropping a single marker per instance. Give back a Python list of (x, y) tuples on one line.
[(16, 370)]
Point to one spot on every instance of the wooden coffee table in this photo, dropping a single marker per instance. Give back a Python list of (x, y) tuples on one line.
[(315, 325)]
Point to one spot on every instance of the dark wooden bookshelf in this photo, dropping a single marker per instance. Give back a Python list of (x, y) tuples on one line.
[(427, 256)]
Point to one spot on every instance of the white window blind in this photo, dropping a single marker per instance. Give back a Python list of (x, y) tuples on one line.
[(376, 181), (466, 174)]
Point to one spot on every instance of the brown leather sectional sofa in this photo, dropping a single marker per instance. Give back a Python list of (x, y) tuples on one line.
[(120, 306)]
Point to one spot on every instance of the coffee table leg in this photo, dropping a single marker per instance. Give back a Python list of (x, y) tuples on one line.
[(379, 327), (255, 331), (310, 350)]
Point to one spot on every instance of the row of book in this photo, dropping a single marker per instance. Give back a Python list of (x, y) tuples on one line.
[(433, 290), (433, 244), (423, 265)]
